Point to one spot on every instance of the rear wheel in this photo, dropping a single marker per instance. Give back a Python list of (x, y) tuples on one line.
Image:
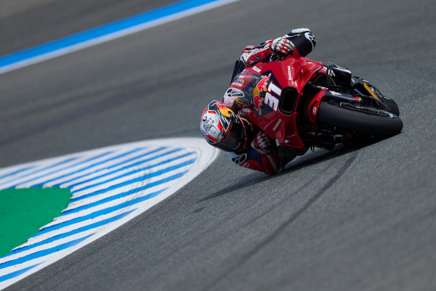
[(360, 122)]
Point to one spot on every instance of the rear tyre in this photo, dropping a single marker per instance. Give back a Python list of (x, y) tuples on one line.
[(360, 124)]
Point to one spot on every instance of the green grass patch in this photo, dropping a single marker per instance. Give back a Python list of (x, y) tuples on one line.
[(24, 211)]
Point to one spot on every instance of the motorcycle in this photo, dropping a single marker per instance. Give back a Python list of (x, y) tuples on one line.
[(306, 105)]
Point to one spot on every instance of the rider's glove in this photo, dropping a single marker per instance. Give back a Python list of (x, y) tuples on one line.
[(282, 46), (261, 143)]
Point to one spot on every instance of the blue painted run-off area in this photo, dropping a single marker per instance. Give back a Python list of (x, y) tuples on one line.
[(102, 31)]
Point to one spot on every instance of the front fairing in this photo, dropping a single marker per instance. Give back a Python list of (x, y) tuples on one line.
[(293, 72)]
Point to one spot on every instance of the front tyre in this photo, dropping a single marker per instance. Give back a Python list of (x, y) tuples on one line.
[(358, 121)]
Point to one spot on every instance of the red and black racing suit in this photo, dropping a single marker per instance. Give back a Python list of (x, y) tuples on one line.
[(258, 152)]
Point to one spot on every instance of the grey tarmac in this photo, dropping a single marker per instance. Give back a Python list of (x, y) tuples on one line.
[(357, 220)]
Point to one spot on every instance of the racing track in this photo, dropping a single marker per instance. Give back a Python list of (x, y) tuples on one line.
[(362, 220)]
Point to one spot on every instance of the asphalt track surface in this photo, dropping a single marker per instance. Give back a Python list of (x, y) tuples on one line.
[(25, 23), (360, 220)]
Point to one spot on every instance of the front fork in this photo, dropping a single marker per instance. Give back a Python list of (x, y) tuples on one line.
[(324, 137)]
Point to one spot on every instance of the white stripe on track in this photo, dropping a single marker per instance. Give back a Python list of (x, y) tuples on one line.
[(98, 169), (86, 162), (76, 182), (157, 158), (102, 206), (29, 172), (40, 248), (48, 170), (121, 179), (41, 237)]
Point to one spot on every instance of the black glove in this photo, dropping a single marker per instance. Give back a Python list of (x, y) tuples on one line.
[(262, 144)]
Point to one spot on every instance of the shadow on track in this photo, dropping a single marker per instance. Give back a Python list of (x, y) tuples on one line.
[(293, 217), (306, 160)]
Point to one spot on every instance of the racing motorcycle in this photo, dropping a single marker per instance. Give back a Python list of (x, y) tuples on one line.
[(304, 108)]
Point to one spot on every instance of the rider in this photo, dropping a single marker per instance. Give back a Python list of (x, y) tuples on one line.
[(223, 123)]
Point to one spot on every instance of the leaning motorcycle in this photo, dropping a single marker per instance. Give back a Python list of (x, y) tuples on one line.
[(304, 108)]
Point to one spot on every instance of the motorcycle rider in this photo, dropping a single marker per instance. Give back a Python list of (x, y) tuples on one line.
[(223, 123)]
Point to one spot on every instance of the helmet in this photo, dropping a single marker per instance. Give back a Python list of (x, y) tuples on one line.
[(221, 127)]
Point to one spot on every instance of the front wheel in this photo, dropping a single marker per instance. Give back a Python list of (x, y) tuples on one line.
[(360, 122)]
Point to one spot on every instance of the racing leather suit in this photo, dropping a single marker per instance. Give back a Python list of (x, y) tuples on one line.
[(260, 153)]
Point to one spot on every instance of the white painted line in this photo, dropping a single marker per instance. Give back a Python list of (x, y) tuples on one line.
[(49, 51), (119, 173), (97, 170), (118, 179)]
